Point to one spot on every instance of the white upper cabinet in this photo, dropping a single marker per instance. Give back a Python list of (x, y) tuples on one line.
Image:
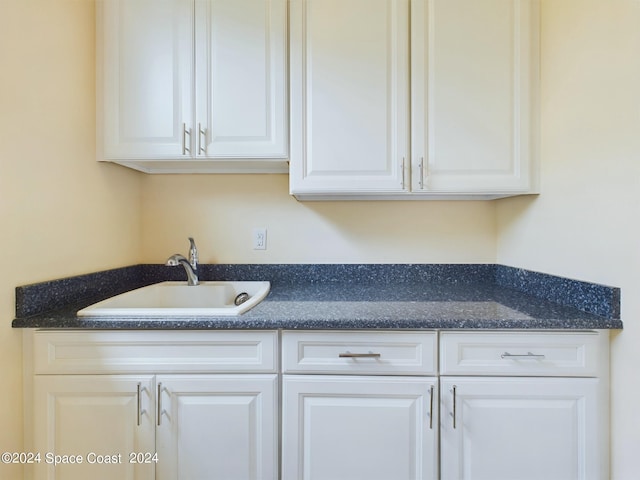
[(349, 96), (388, 98), (473, 120), (470, 86), (241, 90), (193, 86), (145, 77)]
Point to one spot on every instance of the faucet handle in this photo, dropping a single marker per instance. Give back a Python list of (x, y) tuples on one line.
[(193, 253)]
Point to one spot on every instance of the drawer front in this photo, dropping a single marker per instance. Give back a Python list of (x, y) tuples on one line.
[(359, 353), (84, 352), (522, 354)]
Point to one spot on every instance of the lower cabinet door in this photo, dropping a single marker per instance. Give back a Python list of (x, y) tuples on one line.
[(359, 428), (88, 426), (522, 429), (217, 427)]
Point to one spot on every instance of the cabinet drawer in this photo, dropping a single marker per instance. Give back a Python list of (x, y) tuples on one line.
[(359, 353), (154, 351), (522, 354)]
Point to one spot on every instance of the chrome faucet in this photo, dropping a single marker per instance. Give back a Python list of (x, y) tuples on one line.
[(190, 266)]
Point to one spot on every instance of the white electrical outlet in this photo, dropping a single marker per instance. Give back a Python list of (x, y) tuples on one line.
[(260, 238)]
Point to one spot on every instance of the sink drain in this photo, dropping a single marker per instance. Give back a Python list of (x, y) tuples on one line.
[(241, 298)]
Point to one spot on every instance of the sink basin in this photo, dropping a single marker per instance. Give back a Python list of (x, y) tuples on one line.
[(175, 299)]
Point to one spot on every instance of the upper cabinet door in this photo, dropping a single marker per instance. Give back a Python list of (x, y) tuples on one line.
[(474, 78), (349, 96), (241, 87), (145, 65)]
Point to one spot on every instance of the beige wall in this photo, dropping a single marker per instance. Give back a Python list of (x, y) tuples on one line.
[(61, 213), (586, 222), (221, 210)]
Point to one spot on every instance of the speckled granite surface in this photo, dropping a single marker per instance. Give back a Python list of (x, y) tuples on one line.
[(588, 297), (345, 297)]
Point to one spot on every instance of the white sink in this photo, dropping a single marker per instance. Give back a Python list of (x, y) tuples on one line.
[(175, 299)]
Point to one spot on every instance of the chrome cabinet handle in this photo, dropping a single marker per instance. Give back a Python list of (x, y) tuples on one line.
[(159, 403), (402, 173), (421, 179), (185, 132), (431, 407), (201, 132), (530, 355), (359, 355), (140, 412), (453, 391)]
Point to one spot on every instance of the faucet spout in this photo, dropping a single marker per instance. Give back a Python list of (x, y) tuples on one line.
[(190, 266), (192, 274)]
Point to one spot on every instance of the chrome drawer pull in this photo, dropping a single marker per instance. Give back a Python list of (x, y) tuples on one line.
[(528, 355), (359, 355)]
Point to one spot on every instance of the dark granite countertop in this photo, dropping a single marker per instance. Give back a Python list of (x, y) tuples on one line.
[(346, 297)]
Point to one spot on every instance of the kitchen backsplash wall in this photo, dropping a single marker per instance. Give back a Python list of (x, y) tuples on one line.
[(220, 211)]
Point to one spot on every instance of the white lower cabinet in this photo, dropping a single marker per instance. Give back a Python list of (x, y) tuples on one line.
[(176, 427), (524, 406), (83, 421), (512, 405), (163, 426), (217, 426), (363, 406), (386, 405), (520, 428), (359, 428)]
